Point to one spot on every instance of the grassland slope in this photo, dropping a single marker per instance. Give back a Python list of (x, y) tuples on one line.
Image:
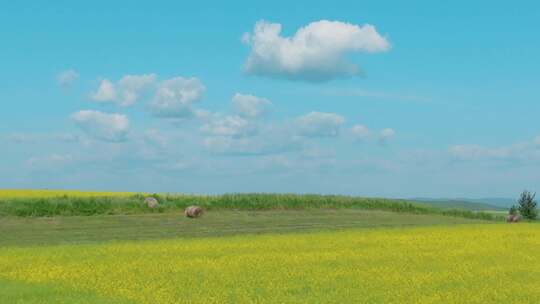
[(15, 203)]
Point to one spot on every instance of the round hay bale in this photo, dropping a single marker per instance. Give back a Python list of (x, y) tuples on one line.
[(193, 211), (151, 202)]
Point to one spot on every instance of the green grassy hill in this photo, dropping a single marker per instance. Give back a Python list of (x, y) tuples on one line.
[(73, 204), (79, 217), (460, 204)]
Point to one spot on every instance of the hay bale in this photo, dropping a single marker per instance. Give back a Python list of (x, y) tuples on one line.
[(513, 218), (193, 211), (151, 202)]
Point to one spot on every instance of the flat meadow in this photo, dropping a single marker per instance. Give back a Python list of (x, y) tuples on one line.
[(318, 255)]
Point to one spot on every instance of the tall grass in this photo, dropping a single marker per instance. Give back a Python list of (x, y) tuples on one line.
[(67, 205)]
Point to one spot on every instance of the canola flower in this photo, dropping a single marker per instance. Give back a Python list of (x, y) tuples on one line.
[(32, 193), (492, 263)]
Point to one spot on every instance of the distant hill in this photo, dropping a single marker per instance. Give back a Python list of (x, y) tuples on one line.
[(496, 201), (467, 204)]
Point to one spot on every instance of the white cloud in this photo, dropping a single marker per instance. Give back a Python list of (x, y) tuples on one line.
[(174, 97), (233, 126), (385, 135), (316, 52), (250, 106), (106, 92), (269, 139), (126, 91), (318, 124), (360, 132), (102, 126), (67, 78), (241, 124)]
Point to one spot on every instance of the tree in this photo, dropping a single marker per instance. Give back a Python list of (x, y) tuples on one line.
[(513, 210), (527, 205)]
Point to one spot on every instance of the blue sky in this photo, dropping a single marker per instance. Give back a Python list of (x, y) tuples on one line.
[(371, 98)]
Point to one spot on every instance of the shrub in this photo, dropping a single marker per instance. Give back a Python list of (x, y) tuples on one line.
[(527, 205)]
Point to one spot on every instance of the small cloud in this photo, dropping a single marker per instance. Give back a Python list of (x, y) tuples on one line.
[(316, 52), (126, 91), (385, 135), (360, 132), (102, 126), (174, 97), (105, 92), (250, 106), (233, 126), (67, 78), (319, 124), (171, 98)]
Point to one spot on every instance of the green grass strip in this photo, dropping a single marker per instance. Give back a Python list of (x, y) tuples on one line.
[(134, 204)]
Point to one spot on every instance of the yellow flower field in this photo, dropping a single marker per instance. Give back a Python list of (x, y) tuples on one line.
[(492, 263), (32, 193)]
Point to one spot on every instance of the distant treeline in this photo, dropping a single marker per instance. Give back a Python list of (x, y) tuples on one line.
[(131, 204)]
